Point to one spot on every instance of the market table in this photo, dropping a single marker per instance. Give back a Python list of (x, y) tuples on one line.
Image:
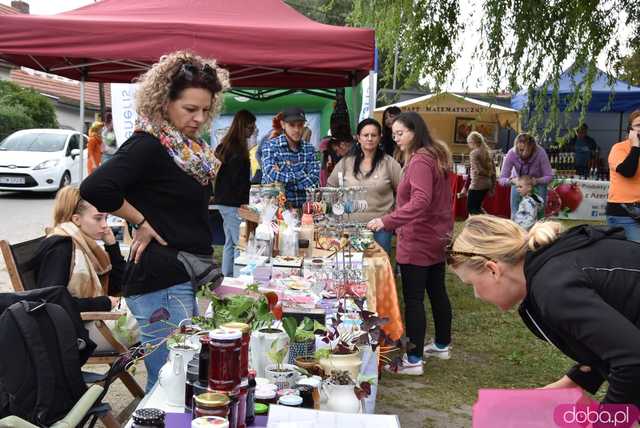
[(498, 204), (381, 295)]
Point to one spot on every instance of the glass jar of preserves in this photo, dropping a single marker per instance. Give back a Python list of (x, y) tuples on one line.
[(210, 422), (245, 329), (211, 404), (224, 359)]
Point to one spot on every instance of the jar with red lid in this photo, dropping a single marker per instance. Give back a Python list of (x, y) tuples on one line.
[(210, 404), (224, 359), (245, 329)]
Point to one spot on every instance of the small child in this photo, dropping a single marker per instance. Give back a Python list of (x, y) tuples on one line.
[(527, 214)]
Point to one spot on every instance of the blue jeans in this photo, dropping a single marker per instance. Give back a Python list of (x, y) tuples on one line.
[(539, 189), (231, 225), (631, 227), (180, 301), (383, 238)]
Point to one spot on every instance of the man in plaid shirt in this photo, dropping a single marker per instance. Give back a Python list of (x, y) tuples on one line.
[(288, 159)]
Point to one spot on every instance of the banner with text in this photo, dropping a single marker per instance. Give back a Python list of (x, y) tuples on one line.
[(578, 199)]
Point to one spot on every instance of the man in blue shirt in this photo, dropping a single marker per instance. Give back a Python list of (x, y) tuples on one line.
[(288, 159), (584, 147)]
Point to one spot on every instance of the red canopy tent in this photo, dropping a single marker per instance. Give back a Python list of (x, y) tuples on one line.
[(264, 43)]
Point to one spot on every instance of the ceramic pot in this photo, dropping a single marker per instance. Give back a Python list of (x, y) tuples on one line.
[(310, 364), (301, 349), (260, 344), (341, 398), (173, 375), (350, 362), (285, 378)]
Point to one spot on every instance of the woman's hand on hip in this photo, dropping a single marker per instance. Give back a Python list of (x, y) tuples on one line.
[(376, 224), (141, 239)]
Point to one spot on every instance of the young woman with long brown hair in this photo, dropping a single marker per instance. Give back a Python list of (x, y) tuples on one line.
[(423, 221), (233, 181)]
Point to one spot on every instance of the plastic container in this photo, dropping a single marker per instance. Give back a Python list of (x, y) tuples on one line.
[(210, 404), (245, 329), (148, 418), (290, 400), (210, 422), (261, 409), (224, 359)]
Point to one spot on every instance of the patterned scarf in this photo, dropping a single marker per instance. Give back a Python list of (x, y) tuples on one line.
[(194, 157)]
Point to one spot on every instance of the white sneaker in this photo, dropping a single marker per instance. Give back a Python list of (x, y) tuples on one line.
[(431, 350), (405, 367)]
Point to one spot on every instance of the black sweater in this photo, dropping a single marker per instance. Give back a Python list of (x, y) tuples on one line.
[(173, 202), (583, 297), (233, 182), (53, 260)]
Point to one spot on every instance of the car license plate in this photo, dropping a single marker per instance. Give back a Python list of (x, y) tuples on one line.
[(12, 180)]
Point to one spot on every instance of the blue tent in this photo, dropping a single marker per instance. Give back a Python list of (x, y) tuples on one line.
[(626, 98)]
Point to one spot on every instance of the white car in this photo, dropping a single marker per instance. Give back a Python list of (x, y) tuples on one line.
[(41, 160)]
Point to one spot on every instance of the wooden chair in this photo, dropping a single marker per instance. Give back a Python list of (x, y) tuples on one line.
[(16, 257)]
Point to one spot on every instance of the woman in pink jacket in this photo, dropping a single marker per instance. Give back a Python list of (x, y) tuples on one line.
[(423, 221)]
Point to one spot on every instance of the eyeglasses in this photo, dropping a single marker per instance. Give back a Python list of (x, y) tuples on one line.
[(208, 75)]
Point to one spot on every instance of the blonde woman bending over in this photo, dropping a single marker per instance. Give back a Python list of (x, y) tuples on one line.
[(577, 290)]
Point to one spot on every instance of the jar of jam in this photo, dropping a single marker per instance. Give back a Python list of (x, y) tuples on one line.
[(242, 404), (233, 397), (265, 396), (224, 359), (290, 400), (306, 392), (211, 404), (191, 379), (251, 397), (245, 329), (148, 418), (210, 422), (203, 360)]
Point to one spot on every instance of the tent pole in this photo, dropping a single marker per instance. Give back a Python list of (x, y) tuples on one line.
[(81, 170), (354, 107), (620, 127), (372, 93)]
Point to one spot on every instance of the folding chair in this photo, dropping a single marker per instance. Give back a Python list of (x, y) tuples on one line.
[(16, 257)]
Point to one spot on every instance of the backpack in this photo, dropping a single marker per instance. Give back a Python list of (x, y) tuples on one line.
[(40, 378)]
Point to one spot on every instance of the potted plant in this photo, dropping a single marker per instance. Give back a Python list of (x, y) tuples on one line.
[(344, 394), (345, 335), (302, 337), (281, 374)]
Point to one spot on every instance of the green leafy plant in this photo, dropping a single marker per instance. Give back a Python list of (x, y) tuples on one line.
[(303, 332), (278, 352), (253, 308)]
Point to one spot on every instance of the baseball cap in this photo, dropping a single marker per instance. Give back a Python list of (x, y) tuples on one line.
[(293, 114)]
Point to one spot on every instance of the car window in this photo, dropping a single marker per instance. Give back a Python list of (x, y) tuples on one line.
[(73, 144), (33, 142)]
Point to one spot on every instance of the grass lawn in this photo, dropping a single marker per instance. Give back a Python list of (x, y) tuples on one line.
[(490, 349)]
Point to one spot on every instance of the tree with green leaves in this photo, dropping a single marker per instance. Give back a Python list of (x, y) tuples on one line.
[(24, 108), (630, 68), (523, 44)]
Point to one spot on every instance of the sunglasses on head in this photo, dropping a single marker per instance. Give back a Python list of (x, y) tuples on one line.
[(207, 74), (451, 254)]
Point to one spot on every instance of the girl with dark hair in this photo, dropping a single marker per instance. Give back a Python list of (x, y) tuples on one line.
[(369, 166), (233, 182), (423, 222), (388, 117)]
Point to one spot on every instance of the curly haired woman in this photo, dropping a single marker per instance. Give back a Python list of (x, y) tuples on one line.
[(160, 181)]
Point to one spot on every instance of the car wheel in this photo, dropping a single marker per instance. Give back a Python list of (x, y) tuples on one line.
[(65, 180)]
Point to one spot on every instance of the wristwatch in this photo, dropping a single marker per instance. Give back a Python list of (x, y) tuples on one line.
[(137, 226)]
